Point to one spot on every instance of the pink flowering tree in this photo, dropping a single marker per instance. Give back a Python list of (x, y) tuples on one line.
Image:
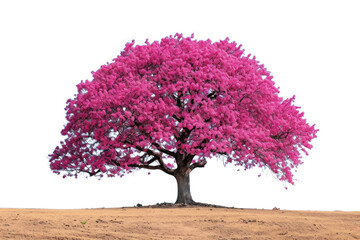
[(175, 104)]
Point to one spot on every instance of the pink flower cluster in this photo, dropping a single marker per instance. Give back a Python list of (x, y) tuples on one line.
[(181, 96)]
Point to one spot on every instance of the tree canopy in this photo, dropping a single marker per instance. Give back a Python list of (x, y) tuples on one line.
[(173, 105)]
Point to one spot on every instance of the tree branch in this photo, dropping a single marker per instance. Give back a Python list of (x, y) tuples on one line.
[(202, 142), (201, 164), (188, 159), (165, 168), (151, 161), (177, 118), (280, 135), (92, 174), (145, 166), (148, 151), (161, 167), (170, 153), (212, 95)]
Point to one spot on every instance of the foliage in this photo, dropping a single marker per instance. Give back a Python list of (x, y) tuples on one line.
[(180, 102)]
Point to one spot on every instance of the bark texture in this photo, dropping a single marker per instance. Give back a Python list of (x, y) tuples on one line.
[(183, 184)]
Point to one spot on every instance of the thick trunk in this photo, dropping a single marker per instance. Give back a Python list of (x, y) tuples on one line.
[(183, 183)]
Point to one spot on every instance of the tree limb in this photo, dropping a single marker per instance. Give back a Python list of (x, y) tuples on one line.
[(201, 164), (212, 95), (163, 150), (161, 167), (92, 174), (151, 161), (165, 168), (177, 118), (145, 166)]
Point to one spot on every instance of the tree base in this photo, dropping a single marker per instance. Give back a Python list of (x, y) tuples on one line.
[(182, 205)]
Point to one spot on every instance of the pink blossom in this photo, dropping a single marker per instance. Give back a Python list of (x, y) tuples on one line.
[(181, 98)]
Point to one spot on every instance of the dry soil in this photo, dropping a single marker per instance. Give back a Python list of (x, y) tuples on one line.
[(177, 223)]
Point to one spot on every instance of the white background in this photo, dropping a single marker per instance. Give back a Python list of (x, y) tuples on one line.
[(47, 47)]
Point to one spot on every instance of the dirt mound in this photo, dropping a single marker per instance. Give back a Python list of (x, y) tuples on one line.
[(180, 205)]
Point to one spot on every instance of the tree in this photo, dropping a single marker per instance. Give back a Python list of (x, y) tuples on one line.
[(173, 105)]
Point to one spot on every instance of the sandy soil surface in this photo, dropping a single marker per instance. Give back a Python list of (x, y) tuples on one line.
[(177, 223)]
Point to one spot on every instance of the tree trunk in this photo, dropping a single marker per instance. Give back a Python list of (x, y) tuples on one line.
[(183, 183)]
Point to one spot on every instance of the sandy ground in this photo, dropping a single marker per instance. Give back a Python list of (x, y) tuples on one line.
[(177, 223)]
